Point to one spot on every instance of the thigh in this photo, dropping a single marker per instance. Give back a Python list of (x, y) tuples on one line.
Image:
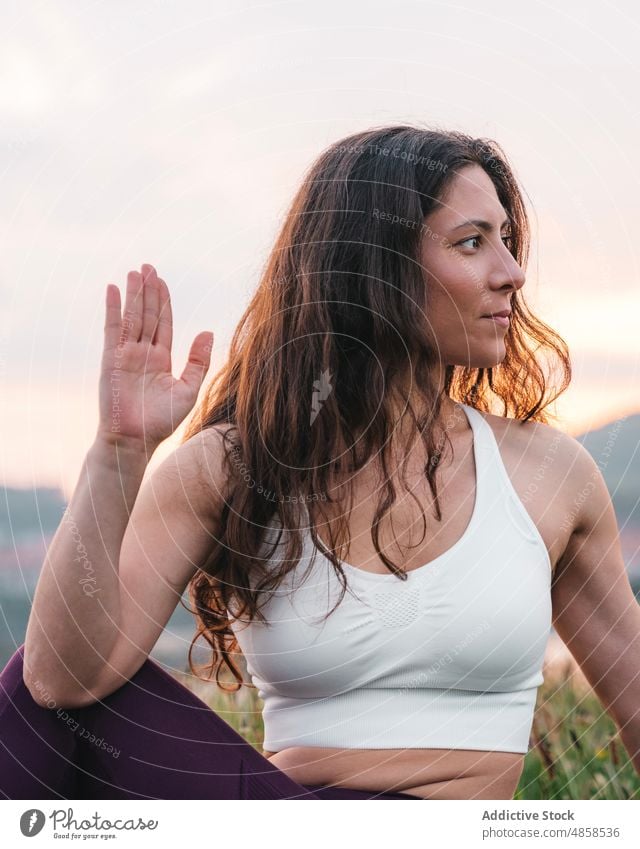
[(166, 743), (37, 749), (150, 739)]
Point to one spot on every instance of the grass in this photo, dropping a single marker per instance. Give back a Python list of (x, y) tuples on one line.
[(576, 751), (575, 748)]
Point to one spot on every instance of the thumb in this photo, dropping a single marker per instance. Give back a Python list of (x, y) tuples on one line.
[(198, 359)]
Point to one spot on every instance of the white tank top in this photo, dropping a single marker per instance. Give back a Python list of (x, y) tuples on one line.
[(451, 658)]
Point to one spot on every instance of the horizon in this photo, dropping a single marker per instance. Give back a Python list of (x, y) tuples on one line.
[(171, 443)]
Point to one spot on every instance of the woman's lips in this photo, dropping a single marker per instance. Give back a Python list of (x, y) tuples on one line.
[(502, 320)]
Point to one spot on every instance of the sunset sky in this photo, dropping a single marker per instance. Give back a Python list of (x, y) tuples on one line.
[(177, 133)]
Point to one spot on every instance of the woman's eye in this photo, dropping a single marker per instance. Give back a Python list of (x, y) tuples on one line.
[(507, 240), (470, 239)]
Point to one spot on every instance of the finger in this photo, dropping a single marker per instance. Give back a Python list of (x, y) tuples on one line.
[(132, 318), (150, 305), (198, 360), (112, 319), (164, 331), (146, 270)]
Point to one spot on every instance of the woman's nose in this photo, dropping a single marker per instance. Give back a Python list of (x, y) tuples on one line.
[(507, 270)]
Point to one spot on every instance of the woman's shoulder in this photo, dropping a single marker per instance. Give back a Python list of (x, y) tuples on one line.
[(545, 454), (202, 462), (535, 438)]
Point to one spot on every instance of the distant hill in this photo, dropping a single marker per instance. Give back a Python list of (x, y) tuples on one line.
[(25, 513), (616, 449), (30, 517)]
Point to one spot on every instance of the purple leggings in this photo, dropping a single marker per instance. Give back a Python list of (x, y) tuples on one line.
[(150, 739)]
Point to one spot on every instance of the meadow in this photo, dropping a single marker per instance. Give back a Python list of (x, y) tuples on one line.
[(576, 751)]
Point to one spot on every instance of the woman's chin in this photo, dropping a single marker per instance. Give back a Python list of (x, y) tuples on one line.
[(486, 359)]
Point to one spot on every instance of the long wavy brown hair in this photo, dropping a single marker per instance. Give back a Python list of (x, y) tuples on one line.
[(338, 321)]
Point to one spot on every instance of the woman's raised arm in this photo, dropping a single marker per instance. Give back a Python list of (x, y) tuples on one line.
[(76, 613)]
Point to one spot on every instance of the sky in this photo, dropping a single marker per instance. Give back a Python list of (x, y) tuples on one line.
[(176, 133)]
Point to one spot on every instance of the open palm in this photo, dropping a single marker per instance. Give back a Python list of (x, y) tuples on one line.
[(140, 400)]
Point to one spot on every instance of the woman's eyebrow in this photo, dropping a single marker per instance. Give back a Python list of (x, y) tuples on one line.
[(480, 224)]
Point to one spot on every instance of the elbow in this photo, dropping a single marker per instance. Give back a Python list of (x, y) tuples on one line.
[(35, 684), (51, 695), (38, 694), (46, 696)]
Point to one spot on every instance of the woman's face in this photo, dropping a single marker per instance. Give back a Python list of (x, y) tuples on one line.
[(470, 272)]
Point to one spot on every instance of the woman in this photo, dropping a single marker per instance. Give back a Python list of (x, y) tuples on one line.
[(396, 629)]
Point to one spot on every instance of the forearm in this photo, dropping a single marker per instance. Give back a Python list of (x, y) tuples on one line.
[(74, 619)]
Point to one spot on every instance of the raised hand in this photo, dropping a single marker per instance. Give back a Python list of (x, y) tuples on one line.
[(141, 403)]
